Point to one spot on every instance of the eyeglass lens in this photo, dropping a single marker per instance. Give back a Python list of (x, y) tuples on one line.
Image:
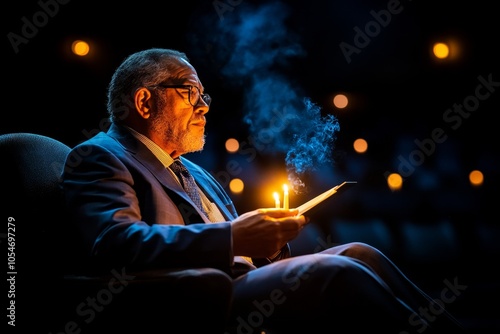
[(195, 95)]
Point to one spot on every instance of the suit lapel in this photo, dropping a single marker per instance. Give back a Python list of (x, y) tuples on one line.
[(146, 158)]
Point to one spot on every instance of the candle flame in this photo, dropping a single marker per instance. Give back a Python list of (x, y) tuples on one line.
[(277, 203), (285, 197)]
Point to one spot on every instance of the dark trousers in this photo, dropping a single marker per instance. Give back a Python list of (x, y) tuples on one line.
[(352, 288)]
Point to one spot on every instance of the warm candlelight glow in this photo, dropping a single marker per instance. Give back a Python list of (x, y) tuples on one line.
[(285, 197), (276, 200)]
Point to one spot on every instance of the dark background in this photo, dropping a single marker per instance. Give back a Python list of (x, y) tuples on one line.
[(398, 92)]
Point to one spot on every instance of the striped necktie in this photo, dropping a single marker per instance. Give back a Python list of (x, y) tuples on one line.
[(188, 183)]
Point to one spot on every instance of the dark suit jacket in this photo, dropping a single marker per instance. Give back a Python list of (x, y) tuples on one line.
[(130, 211)]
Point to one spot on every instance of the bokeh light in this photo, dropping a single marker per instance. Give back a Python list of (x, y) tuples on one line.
[(476, 178), (395, 181), (441, 50), (360, 145), (340, 101), (236, 186), (232, 145), (80, 48)]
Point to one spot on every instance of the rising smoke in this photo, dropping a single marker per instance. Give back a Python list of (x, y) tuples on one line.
[(254, 46)]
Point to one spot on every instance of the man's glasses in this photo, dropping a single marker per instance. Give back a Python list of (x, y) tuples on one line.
[(194, 94)]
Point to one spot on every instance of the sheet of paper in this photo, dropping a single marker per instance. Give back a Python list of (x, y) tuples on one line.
[(321, 197)]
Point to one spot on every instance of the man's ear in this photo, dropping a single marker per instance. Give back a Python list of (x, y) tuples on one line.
[(143, 100)]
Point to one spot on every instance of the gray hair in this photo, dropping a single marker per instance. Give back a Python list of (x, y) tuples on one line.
[(141, 69)]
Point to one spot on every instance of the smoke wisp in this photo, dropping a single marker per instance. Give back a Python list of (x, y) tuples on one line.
[(255, 45)]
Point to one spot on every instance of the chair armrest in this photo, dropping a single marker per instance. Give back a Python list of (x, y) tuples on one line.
[(164, 300)]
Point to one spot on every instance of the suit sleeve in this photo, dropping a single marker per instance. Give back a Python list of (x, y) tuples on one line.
[(125, 219)]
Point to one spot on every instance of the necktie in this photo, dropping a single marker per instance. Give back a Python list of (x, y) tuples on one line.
[(191, 189), (188, 183)]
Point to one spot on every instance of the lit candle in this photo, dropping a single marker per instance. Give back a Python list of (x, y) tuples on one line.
[(285, 197), (276, 200)]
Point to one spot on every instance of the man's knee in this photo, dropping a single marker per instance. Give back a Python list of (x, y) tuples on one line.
[(353, 249)]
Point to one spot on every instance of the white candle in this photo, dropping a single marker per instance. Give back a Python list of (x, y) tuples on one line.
[(277, 200), (285, 197)]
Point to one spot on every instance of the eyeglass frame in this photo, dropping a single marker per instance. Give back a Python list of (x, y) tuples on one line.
[(205, 97)]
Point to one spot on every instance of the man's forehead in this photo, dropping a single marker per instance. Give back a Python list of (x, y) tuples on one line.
[(186, 73)]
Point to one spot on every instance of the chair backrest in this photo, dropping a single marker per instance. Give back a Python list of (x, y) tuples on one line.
[(32, 165)]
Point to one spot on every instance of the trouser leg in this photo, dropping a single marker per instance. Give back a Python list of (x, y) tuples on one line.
[(320, 293), (433, 310)]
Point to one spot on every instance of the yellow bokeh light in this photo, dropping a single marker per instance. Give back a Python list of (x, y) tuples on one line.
[(340, 101), (441, 50), (395, 181), (360, 145), (232, 145), (476, 178), (236, 186), (80, 48)]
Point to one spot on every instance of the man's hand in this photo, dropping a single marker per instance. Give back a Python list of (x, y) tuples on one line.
[(262, 232)]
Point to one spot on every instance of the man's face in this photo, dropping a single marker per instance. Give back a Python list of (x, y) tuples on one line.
[(179, 125)]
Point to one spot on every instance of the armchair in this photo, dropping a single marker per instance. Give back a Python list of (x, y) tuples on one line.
[(49, 297)]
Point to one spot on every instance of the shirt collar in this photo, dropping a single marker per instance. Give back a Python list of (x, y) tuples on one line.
[(159, 153)]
